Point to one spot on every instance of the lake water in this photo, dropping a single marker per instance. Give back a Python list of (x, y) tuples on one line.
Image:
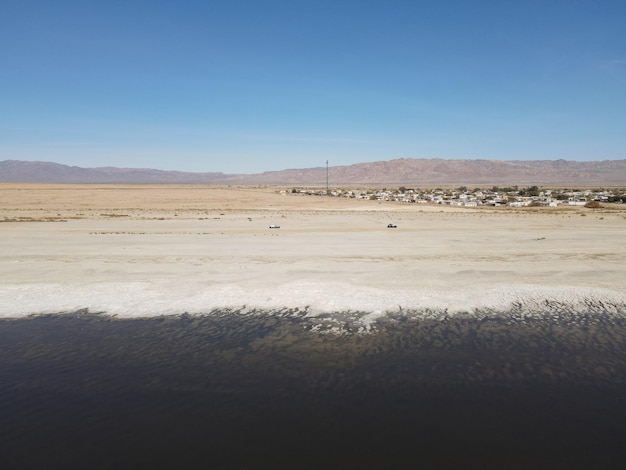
[(247, 390)]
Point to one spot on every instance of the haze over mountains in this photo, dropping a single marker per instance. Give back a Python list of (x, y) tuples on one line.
[(399, 171)]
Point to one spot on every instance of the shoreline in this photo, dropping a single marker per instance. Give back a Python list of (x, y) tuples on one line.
[(143, 300), (180, 249), (270, 390), (168, 324)]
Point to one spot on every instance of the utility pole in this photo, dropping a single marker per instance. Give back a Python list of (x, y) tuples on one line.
[(327, 192)]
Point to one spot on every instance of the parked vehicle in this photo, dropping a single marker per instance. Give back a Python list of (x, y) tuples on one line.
[(274, 226), (392, 226)]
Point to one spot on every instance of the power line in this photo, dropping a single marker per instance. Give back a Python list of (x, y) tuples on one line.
[(327, 192)]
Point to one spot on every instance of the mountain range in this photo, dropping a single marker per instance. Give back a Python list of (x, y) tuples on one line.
[(398, 171)]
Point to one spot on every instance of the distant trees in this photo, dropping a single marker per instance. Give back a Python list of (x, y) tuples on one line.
[(530, 191), (617, 198), (508, 189)]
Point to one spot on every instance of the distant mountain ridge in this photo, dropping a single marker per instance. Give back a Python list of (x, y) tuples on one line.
[(399, 171), (48, 172)]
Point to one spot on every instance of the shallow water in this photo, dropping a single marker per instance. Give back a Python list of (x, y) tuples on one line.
[(284, 390)]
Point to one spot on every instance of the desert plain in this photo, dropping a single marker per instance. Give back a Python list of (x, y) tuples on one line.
[(137, 250)]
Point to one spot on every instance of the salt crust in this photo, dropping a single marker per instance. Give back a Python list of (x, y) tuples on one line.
[(143, 299)]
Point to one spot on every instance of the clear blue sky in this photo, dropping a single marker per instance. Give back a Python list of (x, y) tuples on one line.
[(248, 86)]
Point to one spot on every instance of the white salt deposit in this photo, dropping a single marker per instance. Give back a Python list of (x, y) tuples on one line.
[(145, 299)]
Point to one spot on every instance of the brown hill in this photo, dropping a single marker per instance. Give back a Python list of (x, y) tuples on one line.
[(400, 171)]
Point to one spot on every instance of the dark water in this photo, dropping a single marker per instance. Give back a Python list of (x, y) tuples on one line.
[(236, 391)]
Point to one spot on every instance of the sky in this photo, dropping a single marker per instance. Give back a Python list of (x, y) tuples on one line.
[(249, 86)]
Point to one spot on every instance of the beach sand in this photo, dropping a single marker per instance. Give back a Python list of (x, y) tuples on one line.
[(492, 337), (152, 249)]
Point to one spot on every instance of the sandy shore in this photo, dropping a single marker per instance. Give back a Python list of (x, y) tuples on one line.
[(141, 250)]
